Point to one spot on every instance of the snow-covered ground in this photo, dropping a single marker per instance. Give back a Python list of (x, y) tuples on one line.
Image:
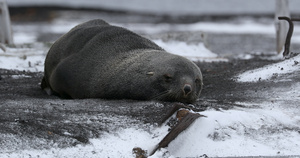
[(264, 128), (23, 58), (32, 58), (276, 70), (27, 58)]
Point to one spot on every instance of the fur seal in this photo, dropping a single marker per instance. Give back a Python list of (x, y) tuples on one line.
[(98, 60)]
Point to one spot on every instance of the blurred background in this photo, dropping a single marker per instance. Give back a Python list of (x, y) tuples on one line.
[(228, 29), (165, 7)]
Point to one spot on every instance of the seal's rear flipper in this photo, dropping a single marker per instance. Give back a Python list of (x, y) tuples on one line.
[(45, 87), (48, 91), (43, 83)]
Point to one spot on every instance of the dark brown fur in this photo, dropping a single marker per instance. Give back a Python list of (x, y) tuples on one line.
[(97, 60)]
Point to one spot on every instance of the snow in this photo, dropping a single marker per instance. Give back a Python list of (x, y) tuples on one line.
[(195, 52), (266, 129), (31, 58), (28, 59), (238, 132), (215, 27), (244, 27), (271, 71), (23, 35), (118, 144)]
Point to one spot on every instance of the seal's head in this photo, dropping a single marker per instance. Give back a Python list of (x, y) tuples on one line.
[(178, 79)]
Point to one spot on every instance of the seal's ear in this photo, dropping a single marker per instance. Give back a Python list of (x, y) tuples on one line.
[(198, 81), (150, 73)]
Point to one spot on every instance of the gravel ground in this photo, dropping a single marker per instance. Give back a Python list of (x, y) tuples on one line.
[(30, 116), (32, 119)]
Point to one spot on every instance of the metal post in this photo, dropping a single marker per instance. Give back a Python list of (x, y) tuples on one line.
[(286, 52), (5, 25), (282, 9)]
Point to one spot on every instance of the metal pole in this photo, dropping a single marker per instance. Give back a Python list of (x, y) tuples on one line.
[(282, 9), (286, 52), (5, 25)]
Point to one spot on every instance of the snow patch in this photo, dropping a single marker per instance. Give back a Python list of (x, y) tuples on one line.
[(195, 52), (239, 28), (32, 59), (20, 76), (271, 71), (22, 37), (236, 132), (254, 132), (27, 59), (115, 144), (246, 27)]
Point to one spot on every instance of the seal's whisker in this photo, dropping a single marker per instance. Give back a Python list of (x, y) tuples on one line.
[(176, 94), (160, 95)]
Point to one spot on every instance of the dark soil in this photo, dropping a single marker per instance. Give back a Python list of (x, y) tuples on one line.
[(29, 113), (29, 118)]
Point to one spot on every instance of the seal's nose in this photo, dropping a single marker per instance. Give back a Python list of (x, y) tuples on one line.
[(187, 88)]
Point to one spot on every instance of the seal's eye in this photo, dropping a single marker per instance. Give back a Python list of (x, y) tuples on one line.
[(168, 77), (197, 80)]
